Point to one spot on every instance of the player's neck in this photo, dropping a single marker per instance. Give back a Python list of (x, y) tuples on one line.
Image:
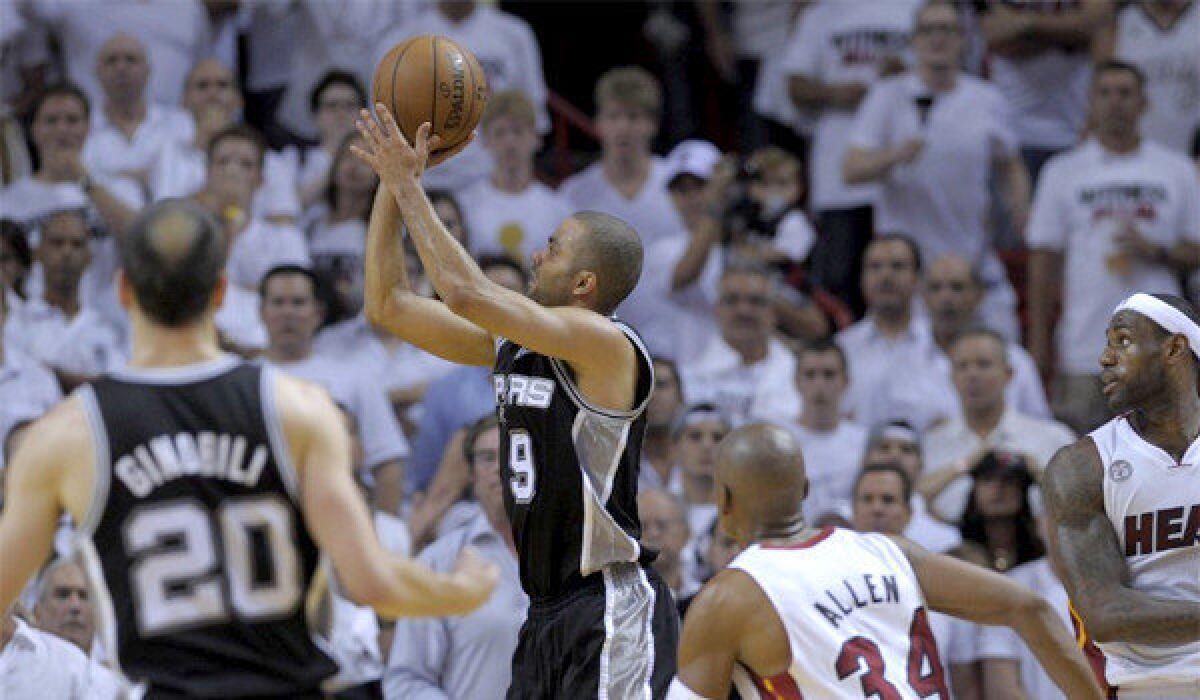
[(785, 533), (160, 346), (1172, 423)]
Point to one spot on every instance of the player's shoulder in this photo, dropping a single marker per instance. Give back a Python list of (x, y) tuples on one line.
[(1074, 475), (732, 594), (300, 402), (62, 430)]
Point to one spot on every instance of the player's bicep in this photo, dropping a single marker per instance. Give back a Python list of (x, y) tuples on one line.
[(432, 326)]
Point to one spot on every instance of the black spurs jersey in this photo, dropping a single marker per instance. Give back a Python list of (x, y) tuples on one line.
[(571, 469), (198, 536)]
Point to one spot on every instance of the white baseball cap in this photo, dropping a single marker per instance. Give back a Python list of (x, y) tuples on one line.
[(693, 157)]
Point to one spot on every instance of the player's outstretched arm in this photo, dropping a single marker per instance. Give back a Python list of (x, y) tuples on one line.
[(973, 593), (585, 339), (1095, 572), (390, 302), (338, 518), (32, 494)]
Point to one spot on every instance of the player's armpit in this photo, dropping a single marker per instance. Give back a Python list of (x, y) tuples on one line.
[(1088, 554)]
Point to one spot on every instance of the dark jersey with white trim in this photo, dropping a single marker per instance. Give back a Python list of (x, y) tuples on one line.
[(571, 469), (198, 534)]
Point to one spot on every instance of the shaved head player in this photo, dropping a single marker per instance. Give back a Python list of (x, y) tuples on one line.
[(202, 487), (572, 383), (825, 614), (1125, 504)]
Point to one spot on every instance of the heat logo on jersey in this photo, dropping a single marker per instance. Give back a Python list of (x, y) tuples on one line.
[(1162, 530)]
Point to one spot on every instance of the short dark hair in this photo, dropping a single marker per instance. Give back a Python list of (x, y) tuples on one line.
[(60, 90), (982, 332), (613, 251), (336, 77), (490, 260), (290, 269), (15, 236), (889, 466), (173, 256), (1113, 65), (824, 345), (656, 360), (476, 429), (240, 132), (904, 238)]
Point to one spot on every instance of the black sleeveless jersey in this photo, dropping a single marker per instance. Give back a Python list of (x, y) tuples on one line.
[(198, 537), (571, 469)]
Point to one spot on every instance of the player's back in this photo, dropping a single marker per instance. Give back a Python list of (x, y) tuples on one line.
[(855, 619), (198, 534)]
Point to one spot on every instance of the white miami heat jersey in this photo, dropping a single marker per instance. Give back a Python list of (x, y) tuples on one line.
[(1153, 503), (855, 619)]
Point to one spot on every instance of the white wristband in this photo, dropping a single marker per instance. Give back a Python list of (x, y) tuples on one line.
[(679, 691)]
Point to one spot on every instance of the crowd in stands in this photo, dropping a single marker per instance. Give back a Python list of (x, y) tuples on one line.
[(901, 235)]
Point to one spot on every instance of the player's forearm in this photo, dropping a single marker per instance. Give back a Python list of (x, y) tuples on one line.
[(1044, 633), (385, 271), (415, 590), (450, 268), (1126, 615)]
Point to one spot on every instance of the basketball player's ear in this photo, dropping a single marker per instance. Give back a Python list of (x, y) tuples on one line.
[(585, 283)]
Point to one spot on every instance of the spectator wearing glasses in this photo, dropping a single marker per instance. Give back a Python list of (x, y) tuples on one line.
[(935, 139), (744, 370)]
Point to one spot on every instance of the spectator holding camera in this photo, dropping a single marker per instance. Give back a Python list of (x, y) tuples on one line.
[(981, 373)]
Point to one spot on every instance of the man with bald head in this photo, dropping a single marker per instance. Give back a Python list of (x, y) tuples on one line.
[(128, 130), (832, 613), (953, 292)]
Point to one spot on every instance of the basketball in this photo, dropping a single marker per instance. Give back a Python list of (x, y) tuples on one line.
[(432, 79)]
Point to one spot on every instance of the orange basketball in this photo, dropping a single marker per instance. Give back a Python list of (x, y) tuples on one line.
[(432, 79)]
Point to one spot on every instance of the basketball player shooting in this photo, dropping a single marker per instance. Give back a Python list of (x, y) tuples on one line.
[(825, 614), (202, 487), (1125, 504), (571, 384)]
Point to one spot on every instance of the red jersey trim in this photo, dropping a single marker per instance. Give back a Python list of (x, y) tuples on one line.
[(810, 542), (778, 687), (1095, 657)]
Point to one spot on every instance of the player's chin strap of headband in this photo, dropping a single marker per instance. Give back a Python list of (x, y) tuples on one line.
[(1169, 318)]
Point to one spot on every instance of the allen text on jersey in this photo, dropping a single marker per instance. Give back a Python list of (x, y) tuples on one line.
[(854, 594)]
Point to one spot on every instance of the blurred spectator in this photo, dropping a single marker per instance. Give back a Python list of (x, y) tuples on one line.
[(466, 657), (34, 663), (127, 131), (459, 397), (212, 99), (767, 224), (334, 103), (951, 293), (336, 228), (837, 52), (510, 212), (27, 389), (64, 606), (24, 64), (698, 429), (57, 328), (745, 371), (898, 442), (292, 314), (999, 517), (1041, 57), (16, 259), (882, 497), (666, 400), (1113, 216), (175, 33), (672, 305), (833, 447), (1159, 36), (508, 51), (981, 372), (665, 530), (721, 549), (628, 182), (891, 336), (935, 139)]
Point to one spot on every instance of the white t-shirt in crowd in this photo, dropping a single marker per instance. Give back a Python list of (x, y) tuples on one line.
[(85, 344), (261, 246), (337, 249), (27, 389), (957, 641), (1170, 59), (37, 664), (1048, 89), (771, 97), (650, 212), (381, 359), (508, 52), (1082, 197), (1024, 392), (878, 393), (842, 41), (109, 151), (997, 642), (378, 429), (942, 198), (180, 171), (1035, 438), (175, 34), (761, 28), (674, 324), (764, 391), (832, 461), (516, 224), (928, 531)]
